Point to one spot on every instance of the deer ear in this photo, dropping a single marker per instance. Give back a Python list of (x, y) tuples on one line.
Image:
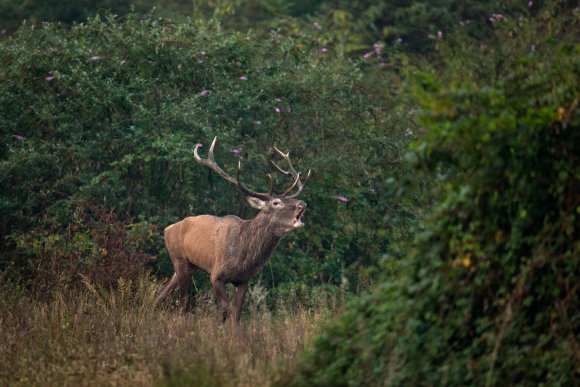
[(255, 202)]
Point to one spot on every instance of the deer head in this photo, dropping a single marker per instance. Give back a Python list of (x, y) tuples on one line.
[(284, 212)]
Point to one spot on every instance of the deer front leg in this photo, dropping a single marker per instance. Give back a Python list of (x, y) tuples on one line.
[(238, 300), (221, 293)]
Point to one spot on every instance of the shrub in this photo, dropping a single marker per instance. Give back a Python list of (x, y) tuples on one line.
[(109, 111), (490, 293)]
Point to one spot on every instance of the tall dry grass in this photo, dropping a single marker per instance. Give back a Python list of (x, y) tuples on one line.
[(99, 337)]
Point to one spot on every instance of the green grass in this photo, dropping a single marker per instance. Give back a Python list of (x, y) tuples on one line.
[(103, 337)]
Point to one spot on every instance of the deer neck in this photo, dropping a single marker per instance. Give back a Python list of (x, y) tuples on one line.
[(262, 238)]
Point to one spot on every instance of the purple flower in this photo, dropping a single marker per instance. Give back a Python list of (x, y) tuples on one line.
[(237, 152), (399, 40), (439, 35), (18, 137), (203, 93), (49, 78), (243, 78), (495, 17), (368, 55), (3, 31), (530, 3), (94, 58), (342, 199), (277, 110), (324, 49), (378, 48)]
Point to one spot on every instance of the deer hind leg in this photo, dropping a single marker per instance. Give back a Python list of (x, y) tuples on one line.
[(181, 278), (221, 294), (184, 280), (238, 300), (167, 289)]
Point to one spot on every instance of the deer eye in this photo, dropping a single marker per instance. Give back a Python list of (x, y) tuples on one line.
[(277, 203)]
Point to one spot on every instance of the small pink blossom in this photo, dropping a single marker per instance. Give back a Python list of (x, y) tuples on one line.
[(94, 58), (243, 78), (203, 53), (399, 40), (18, 137), (378, 48), (203, 93), (496, 17), (237, 152), (277, 110), (368, 55), (342, 199), (439, 35), (324, 50), (530, 4), (49, 78)]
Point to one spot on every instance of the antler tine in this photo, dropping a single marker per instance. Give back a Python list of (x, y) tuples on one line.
[(211, 164), (291, 171), (279, 169), (210, 153), (301, 187), (272, 184), (292, 186)]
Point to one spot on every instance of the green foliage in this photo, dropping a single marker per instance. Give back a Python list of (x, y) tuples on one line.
[(490, 294), (109, 111)]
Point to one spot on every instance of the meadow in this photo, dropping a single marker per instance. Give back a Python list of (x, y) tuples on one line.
[(96, 337)]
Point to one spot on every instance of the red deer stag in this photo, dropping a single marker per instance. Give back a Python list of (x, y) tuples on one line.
[(230, 249)]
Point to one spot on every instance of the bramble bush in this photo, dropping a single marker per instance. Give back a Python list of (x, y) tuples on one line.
[(490, 293), (108, 112)]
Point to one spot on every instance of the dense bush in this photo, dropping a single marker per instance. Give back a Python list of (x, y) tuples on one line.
[(490, 295), (109, 111)]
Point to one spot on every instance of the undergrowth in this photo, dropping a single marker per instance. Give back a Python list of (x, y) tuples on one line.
[(117, 337)]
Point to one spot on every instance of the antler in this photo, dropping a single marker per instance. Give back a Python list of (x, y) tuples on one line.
[(211, 164), (293, 172)]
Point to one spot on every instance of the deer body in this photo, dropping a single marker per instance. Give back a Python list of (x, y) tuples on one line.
[(230, 249)]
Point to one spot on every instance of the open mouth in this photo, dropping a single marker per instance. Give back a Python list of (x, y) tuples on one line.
[(298, 219)]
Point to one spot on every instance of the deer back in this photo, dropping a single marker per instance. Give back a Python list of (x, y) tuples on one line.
[(202, 239)]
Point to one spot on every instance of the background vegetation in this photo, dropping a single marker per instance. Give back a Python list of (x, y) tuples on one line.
[(443, 137)]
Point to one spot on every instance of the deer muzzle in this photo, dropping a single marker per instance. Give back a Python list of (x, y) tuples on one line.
[(300, 209)]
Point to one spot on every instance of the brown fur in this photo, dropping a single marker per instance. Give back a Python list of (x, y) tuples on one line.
[(229, 249)]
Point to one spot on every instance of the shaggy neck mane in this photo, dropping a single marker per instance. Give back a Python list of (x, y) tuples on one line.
[(259, 235)]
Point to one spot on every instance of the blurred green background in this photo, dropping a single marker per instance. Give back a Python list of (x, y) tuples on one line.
[(443, 138)]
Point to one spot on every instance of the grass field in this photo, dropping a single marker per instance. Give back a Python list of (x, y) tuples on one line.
[(96, 337)]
